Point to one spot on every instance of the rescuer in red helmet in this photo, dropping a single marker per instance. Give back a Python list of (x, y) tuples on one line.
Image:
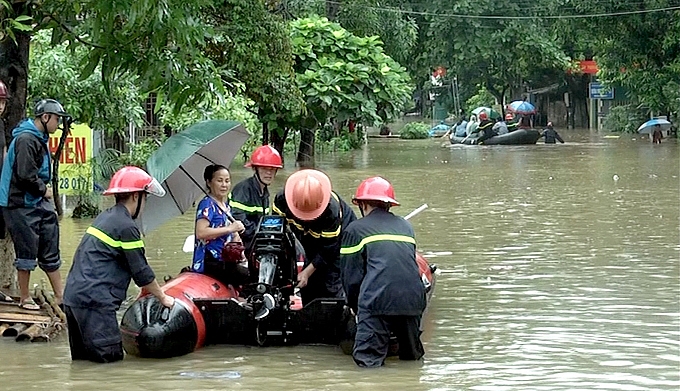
[(381, 277), (316, 216), (249, 199), (110, 254)]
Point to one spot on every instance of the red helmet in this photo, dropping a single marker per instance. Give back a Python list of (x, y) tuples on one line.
[(132, 179), (4, 93), (509, 116), (375, 189), (308, 193), (483, 115), (265, 156)]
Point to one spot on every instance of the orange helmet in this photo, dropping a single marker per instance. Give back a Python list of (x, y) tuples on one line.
[(483, 115), (132, 179), (375, 189), (307, 193), (265, 156), (4, 93), (509, 116)]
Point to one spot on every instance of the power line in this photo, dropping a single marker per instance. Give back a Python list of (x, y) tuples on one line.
[(499, 17)]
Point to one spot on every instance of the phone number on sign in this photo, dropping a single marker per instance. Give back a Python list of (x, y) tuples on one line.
[(77, 184)]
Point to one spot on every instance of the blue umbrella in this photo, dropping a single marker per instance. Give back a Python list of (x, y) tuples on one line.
[(521, 107), (648, 127)]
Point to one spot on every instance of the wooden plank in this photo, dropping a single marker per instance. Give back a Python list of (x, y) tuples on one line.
[(24, 318)]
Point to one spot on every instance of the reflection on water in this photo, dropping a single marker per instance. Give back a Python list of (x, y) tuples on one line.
[(555, 276)]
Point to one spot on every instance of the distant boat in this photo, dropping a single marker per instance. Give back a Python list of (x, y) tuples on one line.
[(518, 137)]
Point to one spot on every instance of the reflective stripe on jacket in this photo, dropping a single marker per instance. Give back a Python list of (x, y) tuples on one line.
[(379, 269), (110, 254)]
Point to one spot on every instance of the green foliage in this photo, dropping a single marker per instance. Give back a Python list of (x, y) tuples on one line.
[(162, 43), (256, 46), (11, 23), (414, 130), (482, 98), (140, 152), (345, 77), (365, 18), (55, 73), (639, 51), (230, 107), (624, 119), (105, 164)]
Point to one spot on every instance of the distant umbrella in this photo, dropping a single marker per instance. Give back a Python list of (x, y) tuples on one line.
[(521, 107), (493, 114), (648, 127)]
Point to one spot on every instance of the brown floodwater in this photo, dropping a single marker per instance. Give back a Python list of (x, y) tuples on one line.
[(559, 268)]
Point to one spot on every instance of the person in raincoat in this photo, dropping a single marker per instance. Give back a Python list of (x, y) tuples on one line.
[(110, 254), (381, 278), (249, 200), (471, 125), (317, 216), (25, 195)]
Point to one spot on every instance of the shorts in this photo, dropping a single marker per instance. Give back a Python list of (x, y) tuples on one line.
[(35, 233)]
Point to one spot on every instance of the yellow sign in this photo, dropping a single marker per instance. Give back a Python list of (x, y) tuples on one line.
[(75, 169)]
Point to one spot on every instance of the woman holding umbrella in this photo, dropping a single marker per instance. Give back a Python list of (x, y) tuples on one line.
[(215, 229)]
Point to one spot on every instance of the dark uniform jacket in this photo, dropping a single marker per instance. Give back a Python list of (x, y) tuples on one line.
[(248, 206), (512, 125), (320, 237), (551, 135), (26, 170), (379, 269), (109, 255)]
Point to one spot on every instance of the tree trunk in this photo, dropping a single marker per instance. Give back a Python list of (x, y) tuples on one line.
[(277, 140), (8, 273), (332, 9), (14, 73), (305, 157), (578, 91)]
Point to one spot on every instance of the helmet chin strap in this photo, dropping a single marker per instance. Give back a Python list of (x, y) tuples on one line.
[(44, 124), (139, 205)]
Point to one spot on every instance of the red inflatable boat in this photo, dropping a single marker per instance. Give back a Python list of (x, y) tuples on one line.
[(266, 312)]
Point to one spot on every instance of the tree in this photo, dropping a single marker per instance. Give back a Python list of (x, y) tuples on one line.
[(161, 45), (640, 51), (343, 77)]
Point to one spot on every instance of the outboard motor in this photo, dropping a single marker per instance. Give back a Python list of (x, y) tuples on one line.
[(272, 263)]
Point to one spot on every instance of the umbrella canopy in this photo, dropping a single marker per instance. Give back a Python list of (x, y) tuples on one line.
[(648, 127), (179, 163), (521, 107), (493, 114)]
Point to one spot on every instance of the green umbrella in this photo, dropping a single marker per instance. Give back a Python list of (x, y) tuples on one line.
[(179, 163), (493, 114)]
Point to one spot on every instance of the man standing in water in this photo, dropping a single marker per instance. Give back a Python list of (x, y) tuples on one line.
[(381, 278), (25, 195), (110, 254), (317, 216)]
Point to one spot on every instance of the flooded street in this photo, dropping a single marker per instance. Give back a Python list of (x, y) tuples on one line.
[(559, 268)]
